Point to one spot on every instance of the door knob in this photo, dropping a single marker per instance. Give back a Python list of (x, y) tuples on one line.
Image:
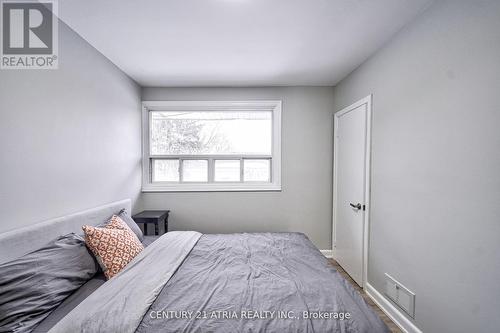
[(357, 206)]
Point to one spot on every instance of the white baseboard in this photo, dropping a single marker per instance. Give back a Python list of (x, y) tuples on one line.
[(327, 253), (391, 311)]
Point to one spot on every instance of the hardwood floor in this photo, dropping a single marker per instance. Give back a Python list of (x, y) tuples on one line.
[(393, 327)]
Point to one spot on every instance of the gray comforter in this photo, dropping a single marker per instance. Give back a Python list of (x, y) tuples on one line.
[(267, 282)]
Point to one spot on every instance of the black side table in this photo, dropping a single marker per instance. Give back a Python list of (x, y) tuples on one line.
[(152, 216)]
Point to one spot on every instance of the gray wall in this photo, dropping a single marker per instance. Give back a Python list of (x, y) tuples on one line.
[(305, 202), (69, 138), (435, 222)]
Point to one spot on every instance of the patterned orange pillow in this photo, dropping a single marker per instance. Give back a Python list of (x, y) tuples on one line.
[(114, 246)]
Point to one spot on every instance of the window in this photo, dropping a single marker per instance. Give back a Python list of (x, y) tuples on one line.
[(212, 146)]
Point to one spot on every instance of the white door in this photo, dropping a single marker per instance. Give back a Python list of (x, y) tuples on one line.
[(351, 181)]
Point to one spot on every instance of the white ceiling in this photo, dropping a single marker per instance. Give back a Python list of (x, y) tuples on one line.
[(238, 42)]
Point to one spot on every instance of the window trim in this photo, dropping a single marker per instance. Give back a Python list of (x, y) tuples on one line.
[(264, 105)]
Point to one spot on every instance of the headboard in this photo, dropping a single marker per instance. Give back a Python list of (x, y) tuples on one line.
[(15, 243)]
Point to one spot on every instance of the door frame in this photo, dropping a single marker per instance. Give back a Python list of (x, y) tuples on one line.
[(366, 220)]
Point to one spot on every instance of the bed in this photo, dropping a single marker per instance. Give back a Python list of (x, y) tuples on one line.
[(185, 281)]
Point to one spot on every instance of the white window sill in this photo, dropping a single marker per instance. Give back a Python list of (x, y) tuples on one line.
[(212, 188)]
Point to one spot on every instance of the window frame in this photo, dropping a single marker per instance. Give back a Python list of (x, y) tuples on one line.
[(148, 185)]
